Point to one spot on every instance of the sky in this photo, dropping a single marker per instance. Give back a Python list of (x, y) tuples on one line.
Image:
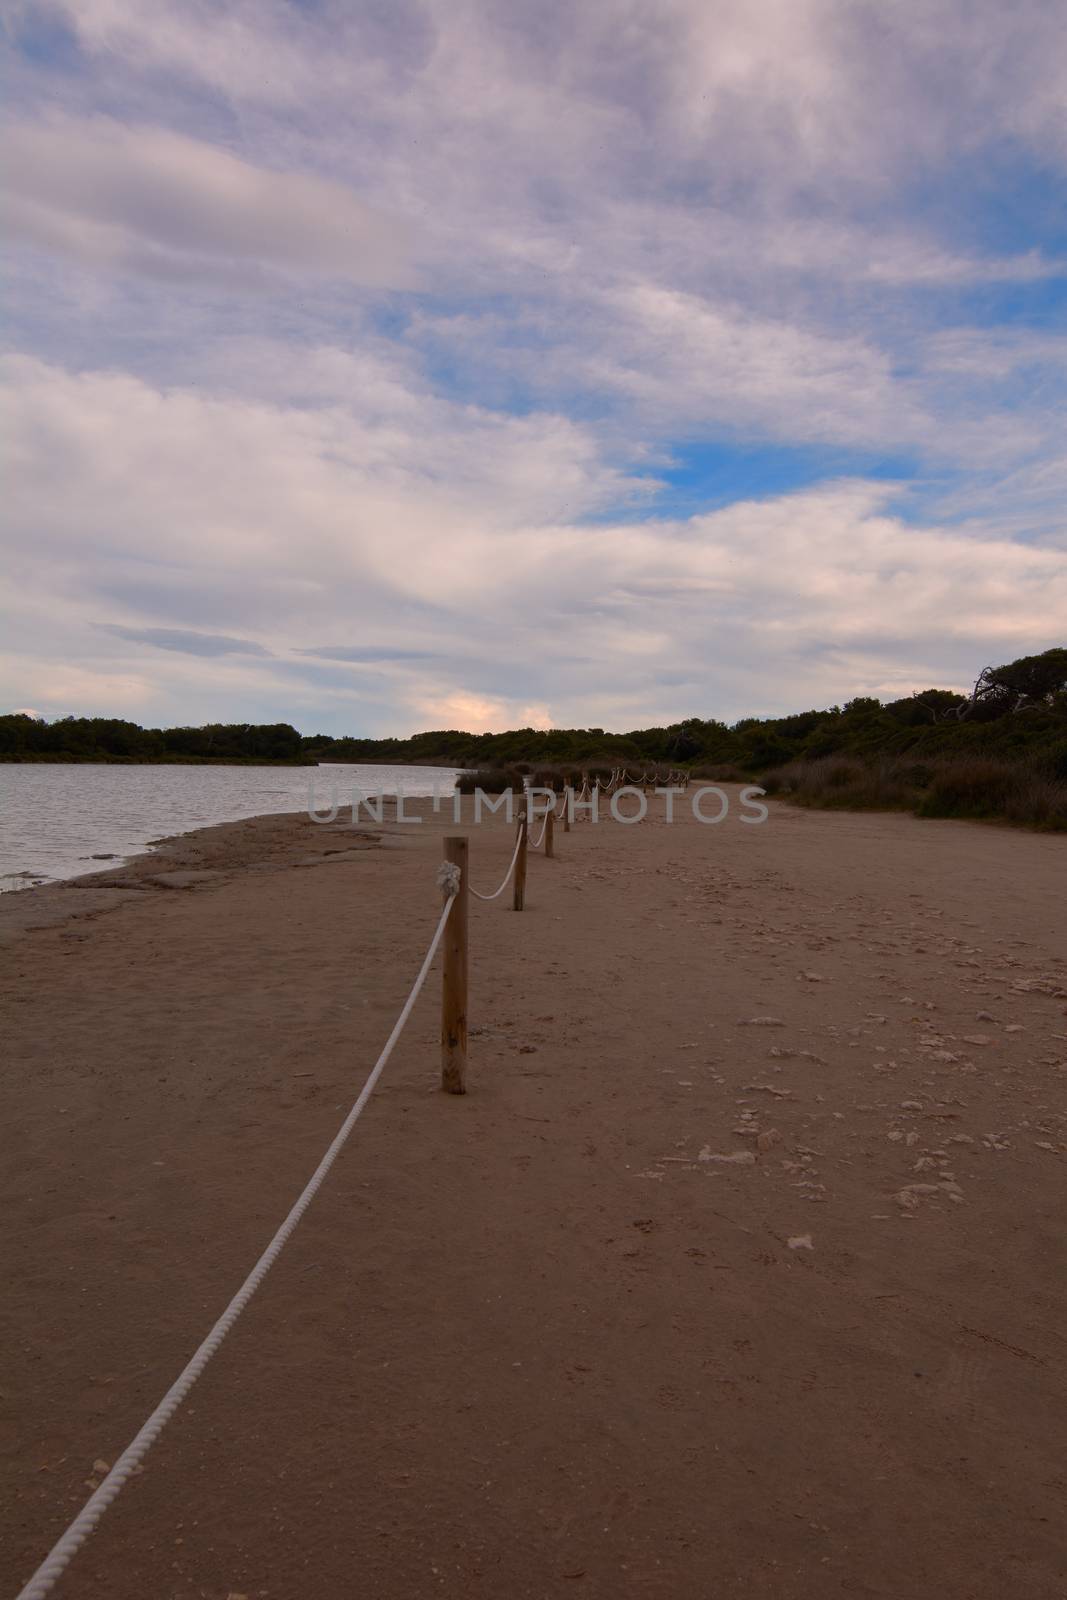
[(401, 364)]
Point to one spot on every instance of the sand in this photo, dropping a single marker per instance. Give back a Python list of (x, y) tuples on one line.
[(544, 1340)]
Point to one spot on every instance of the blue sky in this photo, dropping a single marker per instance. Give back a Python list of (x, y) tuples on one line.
[(476, 364)]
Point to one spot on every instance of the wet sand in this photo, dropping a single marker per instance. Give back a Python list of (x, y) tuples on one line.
[(544, 1340)]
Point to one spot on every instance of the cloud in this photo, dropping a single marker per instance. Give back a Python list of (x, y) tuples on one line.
[(364, 654), (63, 685), (460, 709), (185, 640), (720, 375), (536, 717), (152, 201), (329, 519), (677, 353), (793, 92), (474, 713), (250, 50)]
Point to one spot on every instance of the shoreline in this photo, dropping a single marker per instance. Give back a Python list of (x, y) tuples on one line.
[(657, 1259), (59, 833), (196, 857)]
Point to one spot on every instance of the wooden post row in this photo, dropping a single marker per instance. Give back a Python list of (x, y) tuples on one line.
[(454, 980)]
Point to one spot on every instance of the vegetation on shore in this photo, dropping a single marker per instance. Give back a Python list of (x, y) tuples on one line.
[(24, 738), (1021, 791), (1000, 752)]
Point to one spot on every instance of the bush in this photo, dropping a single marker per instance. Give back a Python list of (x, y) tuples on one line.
[(972, 787), (842, 782), (1038, 802), (723, 773), (491, 780), (967, 786), (828, 781)]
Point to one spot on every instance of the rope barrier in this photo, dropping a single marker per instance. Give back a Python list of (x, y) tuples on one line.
[(67, 1545), (450, 882), (507, 876)]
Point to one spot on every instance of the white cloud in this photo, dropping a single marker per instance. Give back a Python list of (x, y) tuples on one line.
[(247, 50), (351, 529), (158, 202), (473, 713), (799, 92), (713, 224), (676, 353)]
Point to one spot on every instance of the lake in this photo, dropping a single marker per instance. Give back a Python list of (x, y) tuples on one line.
[(55, 818)]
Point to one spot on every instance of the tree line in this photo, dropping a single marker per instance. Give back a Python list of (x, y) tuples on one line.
[(1018, 710)]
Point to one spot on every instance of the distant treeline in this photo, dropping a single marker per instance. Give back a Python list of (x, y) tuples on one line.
[(25, 738), (1017, 712)]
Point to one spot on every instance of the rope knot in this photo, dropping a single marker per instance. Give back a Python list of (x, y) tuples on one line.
[(449, 878)]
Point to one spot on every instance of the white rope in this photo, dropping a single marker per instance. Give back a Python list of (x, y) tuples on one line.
[(79, 1530), (504, 884), (535, 843)]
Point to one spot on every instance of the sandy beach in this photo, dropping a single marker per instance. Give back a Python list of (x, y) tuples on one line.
[(739, 1272)]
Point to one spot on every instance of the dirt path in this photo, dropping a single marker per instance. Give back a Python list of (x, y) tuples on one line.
[(538, 1341)]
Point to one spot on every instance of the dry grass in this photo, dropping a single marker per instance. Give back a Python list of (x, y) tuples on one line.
[(721, 772), (1019, 792)]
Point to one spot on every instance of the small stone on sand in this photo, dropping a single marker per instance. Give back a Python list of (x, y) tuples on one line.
[(738, 1158)]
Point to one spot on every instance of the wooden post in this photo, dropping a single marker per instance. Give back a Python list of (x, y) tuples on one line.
[(519, 899), (454, 980), (550, 831), (567, 792)]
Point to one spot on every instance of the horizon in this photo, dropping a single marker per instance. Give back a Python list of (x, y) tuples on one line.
[(471, 733), (428, 369)]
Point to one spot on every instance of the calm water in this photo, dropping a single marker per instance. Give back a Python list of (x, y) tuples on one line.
[(54, 819)]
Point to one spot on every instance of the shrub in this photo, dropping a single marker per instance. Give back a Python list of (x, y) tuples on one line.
[(845, 783), (1038, 802), (1025, 793), (971, 787), (491, 780), (723, 773)]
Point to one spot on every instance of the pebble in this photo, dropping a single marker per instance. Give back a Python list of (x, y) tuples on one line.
[(912, 1194), (738, 1158)]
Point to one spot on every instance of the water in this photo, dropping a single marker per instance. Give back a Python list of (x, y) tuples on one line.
[(55, 818)]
